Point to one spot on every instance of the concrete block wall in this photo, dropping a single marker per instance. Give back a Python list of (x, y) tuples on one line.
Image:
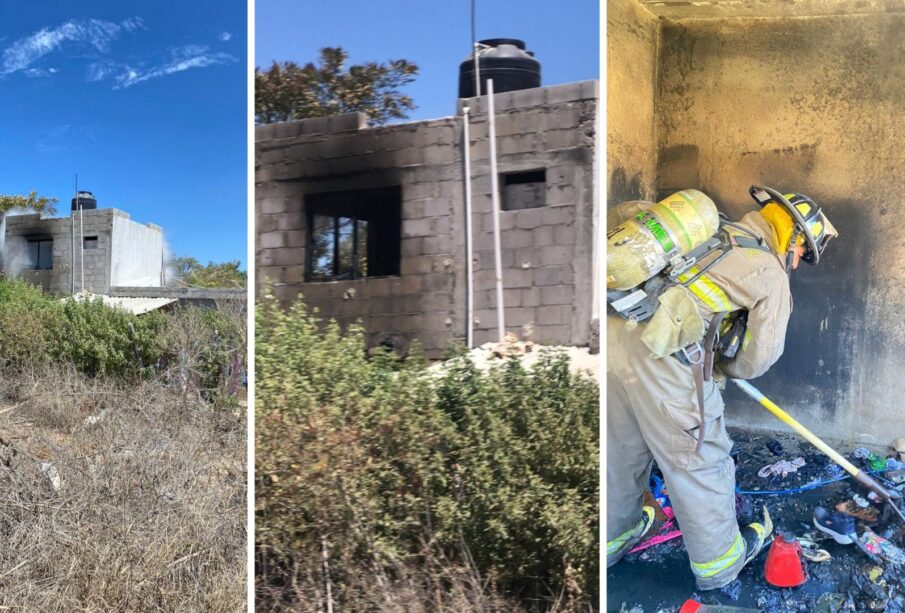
[(98, 263), (419, 302), (94, 222), (547, 252)]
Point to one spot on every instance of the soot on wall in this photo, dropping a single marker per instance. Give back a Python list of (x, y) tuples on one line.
[(814, 106)]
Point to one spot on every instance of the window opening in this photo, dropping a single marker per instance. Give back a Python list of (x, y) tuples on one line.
[(90, 242), (40, 254), (353, 234), (524, 190)]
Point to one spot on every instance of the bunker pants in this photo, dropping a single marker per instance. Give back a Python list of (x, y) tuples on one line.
[(652, 413)]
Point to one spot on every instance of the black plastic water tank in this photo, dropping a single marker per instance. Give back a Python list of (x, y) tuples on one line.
[(85, 201), (506, 62)]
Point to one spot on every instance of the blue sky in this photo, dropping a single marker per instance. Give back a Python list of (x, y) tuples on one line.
[(145, 100), (435, 35)]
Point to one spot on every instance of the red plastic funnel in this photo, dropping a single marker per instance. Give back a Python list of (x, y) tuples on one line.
[(783, 567)]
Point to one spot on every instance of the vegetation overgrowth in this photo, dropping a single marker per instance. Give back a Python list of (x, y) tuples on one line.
[(199, 348), (122, 456), (382, 485)]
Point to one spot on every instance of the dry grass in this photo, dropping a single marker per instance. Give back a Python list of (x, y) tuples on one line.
[(150, 510), (429, 584)]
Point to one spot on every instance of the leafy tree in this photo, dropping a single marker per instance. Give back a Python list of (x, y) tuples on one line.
[(287, 91), (189, 271), (41, 204)]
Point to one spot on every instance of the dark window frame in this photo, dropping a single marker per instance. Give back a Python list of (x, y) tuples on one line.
[(39, 241), (380, 208)]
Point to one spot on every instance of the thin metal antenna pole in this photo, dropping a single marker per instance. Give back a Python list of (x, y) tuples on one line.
[(495, 195), (469, 255), (474, 50)]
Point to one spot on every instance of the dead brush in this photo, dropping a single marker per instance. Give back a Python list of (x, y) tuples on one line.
[(206, 352), (426, 583), (118, 497)]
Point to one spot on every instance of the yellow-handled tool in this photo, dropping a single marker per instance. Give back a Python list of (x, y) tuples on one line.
[(859, 475)]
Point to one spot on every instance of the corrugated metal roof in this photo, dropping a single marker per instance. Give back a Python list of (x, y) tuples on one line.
[(136, 306)]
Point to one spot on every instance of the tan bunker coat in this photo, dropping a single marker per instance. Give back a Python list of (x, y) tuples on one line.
[(653, 413)]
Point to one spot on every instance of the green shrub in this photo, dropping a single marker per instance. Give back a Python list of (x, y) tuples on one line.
[(528, 460), (387, 468), (31, 324), (100, 340), (202, 349)]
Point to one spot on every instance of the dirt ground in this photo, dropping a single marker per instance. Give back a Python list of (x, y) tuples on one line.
[(659, 578)]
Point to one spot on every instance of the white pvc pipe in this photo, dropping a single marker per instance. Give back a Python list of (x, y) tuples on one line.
[(469, 256), (72, 253), (495, 196), (81, 242), (72, 239)]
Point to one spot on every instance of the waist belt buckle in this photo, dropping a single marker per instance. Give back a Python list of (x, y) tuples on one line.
[(694, 353)]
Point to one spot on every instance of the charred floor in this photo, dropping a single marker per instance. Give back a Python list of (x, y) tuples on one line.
[(658, 578)]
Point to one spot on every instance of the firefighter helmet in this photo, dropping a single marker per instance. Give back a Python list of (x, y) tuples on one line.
[(810, 222)]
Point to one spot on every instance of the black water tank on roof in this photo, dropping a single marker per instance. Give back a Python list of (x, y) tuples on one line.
[(506, 62), (85, 201)]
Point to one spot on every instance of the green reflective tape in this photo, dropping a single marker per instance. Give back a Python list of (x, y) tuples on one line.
[(659, 232), (724, 562), (615, 545)]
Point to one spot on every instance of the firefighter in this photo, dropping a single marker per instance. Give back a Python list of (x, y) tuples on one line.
[(668, 408)]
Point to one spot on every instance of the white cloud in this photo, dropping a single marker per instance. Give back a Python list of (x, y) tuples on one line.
[(21, 55), (93, 32), (98, 71), (185, 51), (182, 58)]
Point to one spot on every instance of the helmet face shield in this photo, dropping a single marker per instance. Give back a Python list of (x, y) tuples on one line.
[(823, 231)]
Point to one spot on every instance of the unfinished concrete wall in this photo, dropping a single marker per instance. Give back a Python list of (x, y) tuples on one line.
[(812, 105), (118, 251), (95, 223), (547, 251), (631, 78), (137, 258)]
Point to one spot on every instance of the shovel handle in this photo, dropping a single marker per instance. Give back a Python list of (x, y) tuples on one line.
[(790, 421), (859, 475)]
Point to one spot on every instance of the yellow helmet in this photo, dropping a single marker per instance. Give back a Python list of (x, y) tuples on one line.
[(809, 221)]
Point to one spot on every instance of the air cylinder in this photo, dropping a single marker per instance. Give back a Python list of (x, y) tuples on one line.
[(642, 246), (622, 212)]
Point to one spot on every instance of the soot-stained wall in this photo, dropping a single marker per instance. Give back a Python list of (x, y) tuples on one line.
[(811, 105), (631, 70), (125, 252), (546, 252)]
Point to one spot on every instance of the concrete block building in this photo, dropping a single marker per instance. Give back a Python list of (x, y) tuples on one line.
[(368, 223), (117, 251)]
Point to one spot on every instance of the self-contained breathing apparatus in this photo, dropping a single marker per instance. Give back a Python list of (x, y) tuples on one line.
[(674, 326)]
